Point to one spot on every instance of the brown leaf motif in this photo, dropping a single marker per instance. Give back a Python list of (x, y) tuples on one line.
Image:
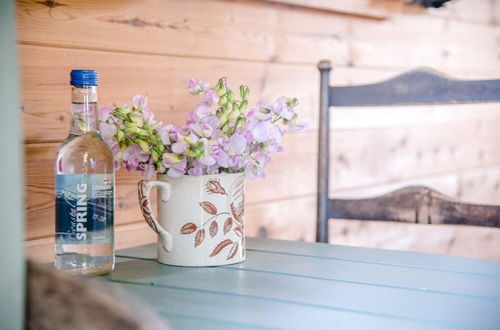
[(233, 251), (239, 231), (214, 227), (200, 235), (214, 187), (237, 212), (209, 208), (220, 247), (227, 225), (188, 228)]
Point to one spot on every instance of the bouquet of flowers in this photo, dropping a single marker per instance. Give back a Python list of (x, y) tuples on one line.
[(220, 135)]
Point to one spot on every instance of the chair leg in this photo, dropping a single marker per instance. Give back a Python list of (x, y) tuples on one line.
[(323, 153)]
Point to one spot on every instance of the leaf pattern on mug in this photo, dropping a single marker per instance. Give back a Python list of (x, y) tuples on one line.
[(214, 187), (209, 207), (227, 225), (237, 213), (200, 236), (208, 226), (214, 227), (233, 251), (188, 228), (220, 247), (239, 231)]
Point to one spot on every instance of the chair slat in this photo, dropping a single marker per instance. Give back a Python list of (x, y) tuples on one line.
[(420, 86), (415, 204)]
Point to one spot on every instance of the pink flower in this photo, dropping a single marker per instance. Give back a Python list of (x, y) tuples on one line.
[(107, 132), (220, 156), (104, 114), (195, 171), (176, 170), (163, 131), (179, 147), (149, 171), (196, 86), (262, 131), (237, 144), (148, 116), (140, 101), (133, 155), (207, 160), (254, 167), (201, 110), (211, 97)]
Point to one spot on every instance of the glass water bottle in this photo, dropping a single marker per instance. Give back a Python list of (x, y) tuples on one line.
[(84, 187)]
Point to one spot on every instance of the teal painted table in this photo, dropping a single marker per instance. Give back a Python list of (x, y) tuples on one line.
[(295, 285)]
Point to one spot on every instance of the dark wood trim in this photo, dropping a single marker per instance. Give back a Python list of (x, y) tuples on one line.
[(419, 86), (415, 204)]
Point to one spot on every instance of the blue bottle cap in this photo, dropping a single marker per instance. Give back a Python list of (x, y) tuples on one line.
[(83, 78)]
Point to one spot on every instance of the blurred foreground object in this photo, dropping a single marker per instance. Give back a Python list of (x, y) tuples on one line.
[(59, 301)]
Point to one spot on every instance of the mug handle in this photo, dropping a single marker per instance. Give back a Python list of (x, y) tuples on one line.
[(145, 187)]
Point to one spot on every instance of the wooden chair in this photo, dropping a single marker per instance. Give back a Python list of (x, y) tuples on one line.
[(416, 204)]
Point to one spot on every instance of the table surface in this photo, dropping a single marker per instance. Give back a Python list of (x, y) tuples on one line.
[(297, 285)]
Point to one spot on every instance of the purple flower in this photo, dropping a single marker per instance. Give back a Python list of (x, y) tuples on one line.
[(201, 110), (163, 131), (104, 114), (179, 147), (140, 101), (133, 155), (107, 132), (176, 170), (262, 131), (211, 97), (148, 171), (196, 86), (254, 167), (203, 130), (200, 146), (220, 156), (195, 171), (236, 145), (148, 116)]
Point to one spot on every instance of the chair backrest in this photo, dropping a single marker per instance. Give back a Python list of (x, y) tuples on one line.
[(413, 204)]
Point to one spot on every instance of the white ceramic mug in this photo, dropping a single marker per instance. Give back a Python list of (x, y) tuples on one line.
[(200, 218)]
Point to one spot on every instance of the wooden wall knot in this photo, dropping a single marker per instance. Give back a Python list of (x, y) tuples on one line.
[(51, 3)]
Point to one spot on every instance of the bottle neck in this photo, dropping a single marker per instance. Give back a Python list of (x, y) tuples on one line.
[(83, 110)]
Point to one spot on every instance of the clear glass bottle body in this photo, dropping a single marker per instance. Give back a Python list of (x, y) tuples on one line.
[(85, 155)]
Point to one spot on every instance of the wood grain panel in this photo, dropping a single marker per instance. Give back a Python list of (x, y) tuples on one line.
[(46, 92), (473, 242), (216, 29), (473, 185), (46, 97), (412, 41), (360, 158), (251, 30)]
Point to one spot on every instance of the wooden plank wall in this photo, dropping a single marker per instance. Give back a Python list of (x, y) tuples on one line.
[(155, 46)]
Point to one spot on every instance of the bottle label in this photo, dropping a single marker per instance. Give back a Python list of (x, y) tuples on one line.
[(84, 208)]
